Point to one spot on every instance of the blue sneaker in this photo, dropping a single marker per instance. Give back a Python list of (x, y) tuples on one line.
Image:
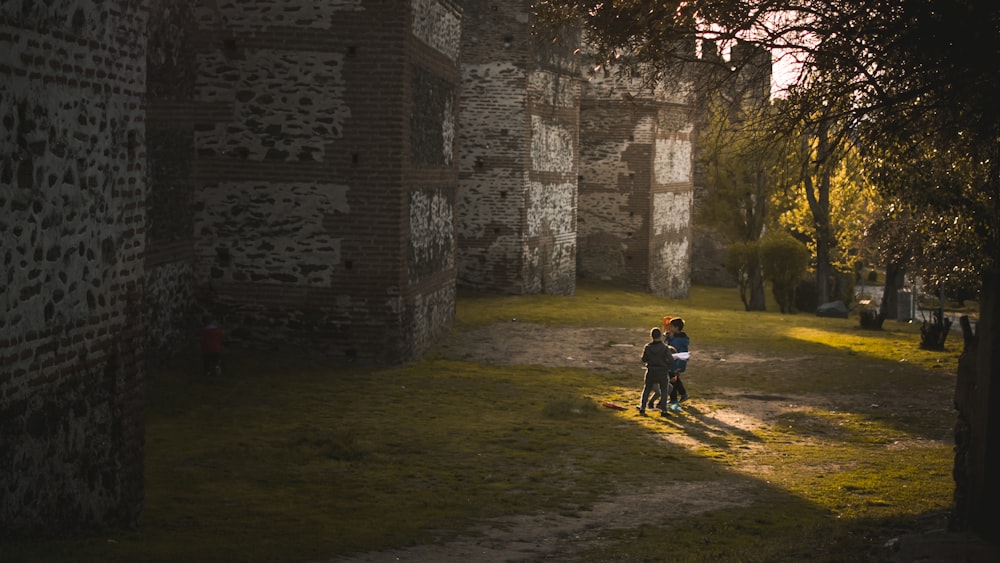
[(675, 407)]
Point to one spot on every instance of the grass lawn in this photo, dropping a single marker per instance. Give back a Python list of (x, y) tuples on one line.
[(295, 461)]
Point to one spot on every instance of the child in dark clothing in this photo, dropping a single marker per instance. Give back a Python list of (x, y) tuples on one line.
[(657, 359), (211, 347)]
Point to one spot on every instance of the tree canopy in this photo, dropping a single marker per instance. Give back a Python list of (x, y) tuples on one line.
[(907, 81)]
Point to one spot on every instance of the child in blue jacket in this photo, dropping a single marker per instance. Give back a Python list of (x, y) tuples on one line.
[(678, 340)]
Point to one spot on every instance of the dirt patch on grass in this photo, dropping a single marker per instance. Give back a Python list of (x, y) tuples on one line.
[(546, 536), (617, 351), (727, 413)]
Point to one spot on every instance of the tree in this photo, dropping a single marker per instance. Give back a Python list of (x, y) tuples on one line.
[(942, 247), (785, 261), (827, 209), (940, 216), (743, 263), (738, 158), (892, 237)]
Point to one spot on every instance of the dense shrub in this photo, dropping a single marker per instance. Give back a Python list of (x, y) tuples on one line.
[(871, 318), (784, 260), (743, 263), (933, 333)]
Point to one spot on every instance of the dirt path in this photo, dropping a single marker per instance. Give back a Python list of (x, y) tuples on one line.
[(551, 536)]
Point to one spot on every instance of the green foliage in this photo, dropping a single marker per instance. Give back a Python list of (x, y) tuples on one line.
[(738, 157), (848, 208), (947, 244), (784, 261), (743, 263)]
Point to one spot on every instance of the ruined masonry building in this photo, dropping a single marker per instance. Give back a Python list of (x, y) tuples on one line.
[(319, 175)]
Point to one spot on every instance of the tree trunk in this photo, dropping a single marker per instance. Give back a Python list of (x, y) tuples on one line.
[(818, 196), (895, 277), (823, 268), (757, 298), (977, 430)]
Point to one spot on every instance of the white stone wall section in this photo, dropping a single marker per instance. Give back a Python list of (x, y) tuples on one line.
[(432, 311), (438, 27), (672, 274), (448, 131), (553, 146), (672, 162), (672, 212), (432, 230), (551, 209)]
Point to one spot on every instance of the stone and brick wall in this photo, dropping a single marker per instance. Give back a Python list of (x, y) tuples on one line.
[(673, 194), (519, 140), (430, 174), (551, 203), (635, 186), (615, 182), (170, 308), (306, 172), (72, 189)]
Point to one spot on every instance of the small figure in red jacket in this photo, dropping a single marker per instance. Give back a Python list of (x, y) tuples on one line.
[(211, 346)]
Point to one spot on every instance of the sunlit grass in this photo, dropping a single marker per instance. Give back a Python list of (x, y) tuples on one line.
[(715, 317), (895, 343)]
